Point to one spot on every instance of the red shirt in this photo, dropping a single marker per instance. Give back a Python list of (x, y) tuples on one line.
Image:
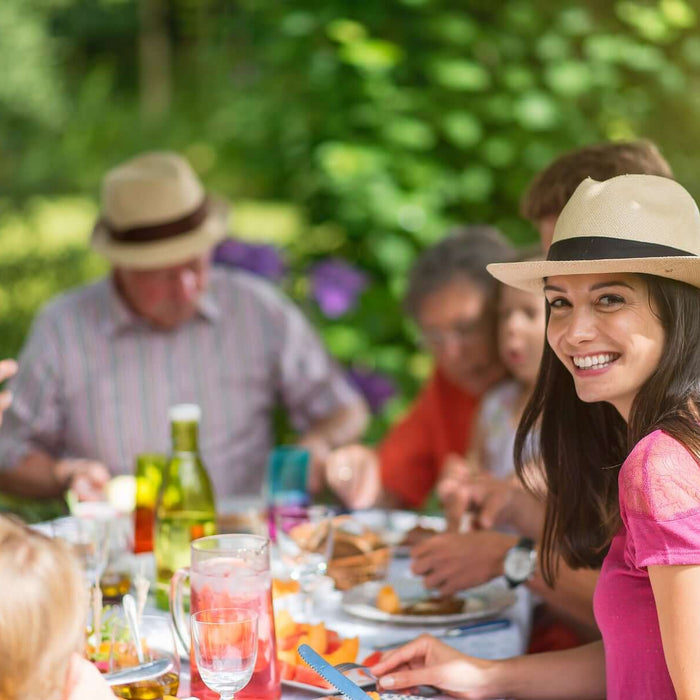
[(439, 422)]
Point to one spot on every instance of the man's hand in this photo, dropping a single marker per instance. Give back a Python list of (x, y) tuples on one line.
[(318, 450), (86, 477), (428, 661), (353, 473), (8, 368), (452, 562)]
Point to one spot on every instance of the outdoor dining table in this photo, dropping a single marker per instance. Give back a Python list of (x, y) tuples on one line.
[(491, 644)]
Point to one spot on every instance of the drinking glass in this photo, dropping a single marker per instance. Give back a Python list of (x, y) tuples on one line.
[(305, 543), (90, 540), (287, 480), (149, 476), (225, 646), (157, 641)]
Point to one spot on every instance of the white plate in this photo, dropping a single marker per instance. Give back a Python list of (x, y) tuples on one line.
[(393, 525), (481, 601)]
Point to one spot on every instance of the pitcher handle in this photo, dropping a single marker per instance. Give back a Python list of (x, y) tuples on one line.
[(177, 610)]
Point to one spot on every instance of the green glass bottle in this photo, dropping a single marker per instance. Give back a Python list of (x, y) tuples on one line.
[(185, 509)]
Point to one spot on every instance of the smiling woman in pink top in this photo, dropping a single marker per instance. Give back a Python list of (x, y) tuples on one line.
[(616, 408)]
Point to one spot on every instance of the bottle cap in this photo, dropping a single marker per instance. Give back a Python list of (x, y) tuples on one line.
[(185, 413)]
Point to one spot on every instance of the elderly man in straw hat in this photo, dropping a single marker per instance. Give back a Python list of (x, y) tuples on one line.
[(104, 362)]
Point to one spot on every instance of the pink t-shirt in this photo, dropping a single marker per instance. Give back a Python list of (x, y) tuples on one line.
[(660, 507)]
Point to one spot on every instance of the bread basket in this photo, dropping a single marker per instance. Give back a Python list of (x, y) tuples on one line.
[(359, 555)]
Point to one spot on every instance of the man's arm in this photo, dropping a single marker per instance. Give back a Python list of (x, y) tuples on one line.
[(399, 473), (31, 432), (344, 425), (440, 560), (7, 369), (572, 595), (38, 475)]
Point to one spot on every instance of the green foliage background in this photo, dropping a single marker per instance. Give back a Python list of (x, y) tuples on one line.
[(362, 130)]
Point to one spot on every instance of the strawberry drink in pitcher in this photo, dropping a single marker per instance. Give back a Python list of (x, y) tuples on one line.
[(231, 571)]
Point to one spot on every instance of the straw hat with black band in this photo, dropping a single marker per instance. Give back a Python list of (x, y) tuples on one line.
[(155, 213), (630, 223)]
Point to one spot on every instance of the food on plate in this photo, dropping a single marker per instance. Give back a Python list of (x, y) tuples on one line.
[(372, 659), (328, 643), (388, 601), (282, 587), (434, 606)]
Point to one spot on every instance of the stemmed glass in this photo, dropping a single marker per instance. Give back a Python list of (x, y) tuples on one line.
[(225, 646), (305, 543)]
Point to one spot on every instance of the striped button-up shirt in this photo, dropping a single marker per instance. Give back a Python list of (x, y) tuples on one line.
[(96, 380)]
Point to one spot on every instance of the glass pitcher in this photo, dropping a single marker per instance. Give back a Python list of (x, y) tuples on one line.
[(230, 571)]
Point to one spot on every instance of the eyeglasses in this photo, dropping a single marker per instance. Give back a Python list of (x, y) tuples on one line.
[(461, 333)]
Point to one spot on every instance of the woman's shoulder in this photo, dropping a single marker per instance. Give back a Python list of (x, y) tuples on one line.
[(656, 450), (660, 477)]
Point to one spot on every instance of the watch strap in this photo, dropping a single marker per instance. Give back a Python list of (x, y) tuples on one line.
[(526, 543)]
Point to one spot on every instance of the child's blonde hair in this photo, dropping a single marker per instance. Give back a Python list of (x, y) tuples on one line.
[(43, 605)]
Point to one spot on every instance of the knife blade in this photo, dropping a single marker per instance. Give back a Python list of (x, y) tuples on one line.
[(461, 631), (333, 676)]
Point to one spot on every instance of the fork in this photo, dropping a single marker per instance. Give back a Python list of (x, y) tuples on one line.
[(427, 691)]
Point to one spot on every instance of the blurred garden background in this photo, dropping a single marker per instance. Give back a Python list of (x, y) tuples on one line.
[(346, 134)]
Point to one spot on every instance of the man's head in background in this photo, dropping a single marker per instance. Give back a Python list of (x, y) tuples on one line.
[(551, 189), (157, 228), (452, 299)]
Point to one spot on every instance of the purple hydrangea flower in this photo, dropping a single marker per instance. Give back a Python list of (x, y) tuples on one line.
[(375, 387), (335, 286), (260, 259)]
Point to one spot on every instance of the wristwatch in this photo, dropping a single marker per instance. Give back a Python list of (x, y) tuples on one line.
[(520, 562)]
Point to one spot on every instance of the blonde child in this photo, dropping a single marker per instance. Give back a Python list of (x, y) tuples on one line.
[(43, 607)]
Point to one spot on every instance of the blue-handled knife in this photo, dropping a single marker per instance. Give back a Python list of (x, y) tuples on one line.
[(333, 676)]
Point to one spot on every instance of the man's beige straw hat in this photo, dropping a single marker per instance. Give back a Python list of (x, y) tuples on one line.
[(155, 213), (630, 223)]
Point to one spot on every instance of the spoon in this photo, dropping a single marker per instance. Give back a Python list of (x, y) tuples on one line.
[(132, 620), (143, 672)]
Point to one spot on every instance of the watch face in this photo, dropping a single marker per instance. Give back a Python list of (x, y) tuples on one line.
[(519, 564)]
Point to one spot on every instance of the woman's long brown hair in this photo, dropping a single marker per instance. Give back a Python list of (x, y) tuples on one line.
[(582, 445)]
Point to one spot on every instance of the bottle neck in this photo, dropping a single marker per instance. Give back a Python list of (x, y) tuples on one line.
[(184, 436)]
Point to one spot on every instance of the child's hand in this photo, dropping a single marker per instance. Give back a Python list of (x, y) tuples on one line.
[(454, 489)]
